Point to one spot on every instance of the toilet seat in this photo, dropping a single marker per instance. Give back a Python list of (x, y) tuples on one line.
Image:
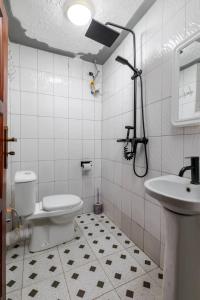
[(73, 206), (60, 202)]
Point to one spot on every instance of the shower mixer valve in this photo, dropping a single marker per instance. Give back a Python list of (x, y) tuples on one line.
[(131, 143)]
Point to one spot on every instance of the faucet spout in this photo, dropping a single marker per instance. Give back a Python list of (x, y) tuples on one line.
[(194, 167), (183, 170)]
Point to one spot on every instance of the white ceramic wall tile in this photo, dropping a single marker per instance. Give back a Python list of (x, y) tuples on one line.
[(28, 103), (28, 57), (45, 61), (29, 127), (28, 80), (45, 105)]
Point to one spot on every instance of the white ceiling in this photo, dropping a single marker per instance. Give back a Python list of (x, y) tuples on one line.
[(44, 21)]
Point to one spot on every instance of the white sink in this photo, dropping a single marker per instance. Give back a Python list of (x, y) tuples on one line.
[(181, 202), (175, 193)]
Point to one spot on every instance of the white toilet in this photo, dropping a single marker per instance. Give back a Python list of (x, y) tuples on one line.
[(52, 219)]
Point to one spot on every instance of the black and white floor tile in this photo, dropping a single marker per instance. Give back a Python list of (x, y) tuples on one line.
[(101, 263), (146, 263), (75, 254), (41, 267), (88, 282), (121, 267), (54, 288), (141, 288)]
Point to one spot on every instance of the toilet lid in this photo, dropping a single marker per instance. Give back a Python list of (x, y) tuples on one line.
[(59, 202)]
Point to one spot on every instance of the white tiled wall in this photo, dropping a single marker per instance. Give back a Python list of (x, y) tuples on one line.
[(165, 25), (56, 120)]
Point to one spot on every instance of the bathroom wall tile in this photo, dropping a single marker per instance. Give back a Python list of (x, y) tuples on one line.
[(88, 149), (152, 219), (45, 128), (14, 97), (29, 127), (60, 128), (75, 171), (172, 153), (45, 61), (46, 171), (75, 108), (60, 107), (29, 150), (46, 149), (61, 170), (75, 68), (45, 105), (45, 83), (28, 57), (88, 130), (14, 50), (75, 88), (28, 80), (14, 81), (75, 129), (75, 149), (61, 65), (61, 187), (61, 149), (28, 103), (45, 189), (60, 86), (75, 187)]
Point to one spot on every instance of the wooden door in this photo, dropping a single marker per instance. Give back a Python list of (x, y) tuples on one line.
[(3, 154)]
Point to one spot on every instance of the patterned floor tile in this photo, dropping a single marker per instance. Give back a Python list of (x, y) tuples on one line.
[(28, 254), (41, 267), (109, 296), (15, 252), (14, 273), (51, 289), (157, 276), (86, 219), (122, 238), (75, 254), (146, 263), (142, 288), (108, 224), (87, 282), (14, 295), (105, 245), (95, 229), (121, 267)]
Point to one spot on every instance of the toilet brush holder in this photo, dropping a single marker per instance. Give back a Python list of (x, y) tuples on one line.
[(98, 207)]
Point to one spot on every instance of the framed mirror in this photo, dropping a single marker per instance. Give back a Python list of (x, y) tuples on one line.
[(186, 83)]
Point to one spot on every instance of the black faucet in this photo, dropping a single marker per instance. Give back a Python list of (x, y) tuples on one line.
[(194, 167)]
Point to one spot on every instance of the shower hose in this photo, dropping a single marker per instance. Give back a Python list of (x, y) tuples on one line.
[(132, 153)]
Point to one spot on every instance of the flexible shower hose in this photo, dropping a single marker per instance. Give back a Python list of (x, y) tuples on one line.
[(144, 136)]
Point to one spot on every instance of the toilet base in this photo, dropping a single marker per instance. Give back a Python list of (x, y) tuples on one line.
[(46, 235)]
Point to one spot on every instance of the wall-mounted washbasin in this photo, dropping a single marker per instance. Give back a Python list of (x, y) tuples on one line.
[(175, 193), (181, 202)]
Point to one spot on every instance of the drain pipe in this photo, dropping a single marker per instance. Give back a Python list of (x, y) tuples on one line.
[(19, 234)]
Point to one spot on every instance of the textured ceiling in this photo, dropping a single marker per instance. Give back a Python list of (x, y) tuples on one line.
[(44, 22)]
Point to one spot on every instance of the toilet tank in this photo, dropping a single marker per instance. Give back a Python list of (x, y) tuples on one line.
[(25, 192)]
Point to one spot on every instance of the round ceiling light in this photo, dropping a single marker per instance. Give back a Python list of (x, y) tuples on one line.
[(79, 12)]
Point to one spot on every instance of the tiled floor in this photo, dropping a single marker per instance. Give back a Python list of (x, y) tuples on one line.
[(101, 263)]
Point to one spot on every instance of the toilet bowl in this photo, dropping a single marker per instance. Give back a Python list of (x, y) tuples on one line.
[(52, 219)]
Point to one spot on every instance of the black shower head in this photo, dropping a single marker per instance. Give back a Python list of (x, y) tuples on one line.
[(101, 33), (124, 61)]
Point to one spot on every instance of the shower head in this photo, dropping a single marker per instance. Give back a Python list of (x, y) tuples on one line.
[(124, 61), (101, 33)]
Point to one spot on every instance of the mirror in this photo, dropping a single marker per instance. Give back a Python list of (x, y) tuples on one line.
[(186, 83)]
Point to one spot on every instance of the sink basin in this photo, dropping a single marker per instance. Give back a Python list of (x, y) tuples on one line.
[(181, 207), (175, 193)]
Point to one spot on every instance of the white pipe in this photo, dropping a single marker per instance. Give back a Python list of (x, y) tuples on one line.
[(19, 234)]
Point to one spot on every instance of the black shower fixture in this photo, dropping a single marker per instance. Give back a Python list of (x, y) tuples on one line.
[(105, 35), (101, 33), (124, 61)]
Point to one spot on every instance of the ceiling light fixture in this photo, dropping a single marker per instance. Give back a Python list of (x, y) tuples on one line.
[(79, 12)]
